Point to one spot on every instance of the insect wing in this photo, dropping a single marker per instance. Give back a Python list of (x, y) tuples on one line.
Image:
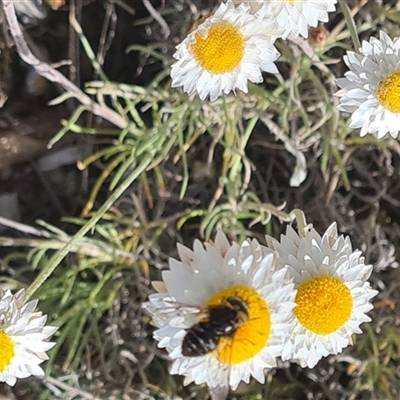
[(167, 311)]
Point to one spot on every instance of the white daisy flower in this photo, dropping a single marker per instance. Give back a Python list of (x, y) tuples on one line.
[(370, 90), (23, 338), (296, 16), (228, 49), (261, 9), (332, 293), (223, 312)]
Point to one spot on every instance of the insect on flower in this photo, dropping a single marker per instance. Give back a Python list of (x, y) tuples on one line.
[(222, 312), (220, 321)]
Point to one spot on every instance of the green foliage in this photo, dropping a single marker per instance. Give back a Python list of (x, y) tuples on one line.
[(381, 351), (88, 277)]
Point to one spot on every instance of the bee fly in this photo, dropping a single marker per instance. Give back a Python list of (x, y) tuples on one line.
[(220, 321)]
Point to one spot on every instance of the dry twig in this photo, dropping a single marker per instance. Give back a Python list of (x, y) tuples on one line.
[(48, 72), (157, 16)]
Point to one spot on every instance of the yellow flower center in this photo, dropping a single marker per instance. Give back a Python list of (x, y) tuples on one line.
[(7, 352), (221, 50), (323, 304), (252, 334), (388, 93)]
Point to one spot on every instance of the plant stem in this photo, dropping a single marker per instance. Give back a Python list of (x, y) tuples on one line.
[(302, 226), (60, 254), (350, 24)]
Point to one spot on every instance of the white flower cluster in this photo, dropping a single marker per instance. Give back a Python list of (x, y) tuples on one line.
[(226, 311), (236, 43)]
